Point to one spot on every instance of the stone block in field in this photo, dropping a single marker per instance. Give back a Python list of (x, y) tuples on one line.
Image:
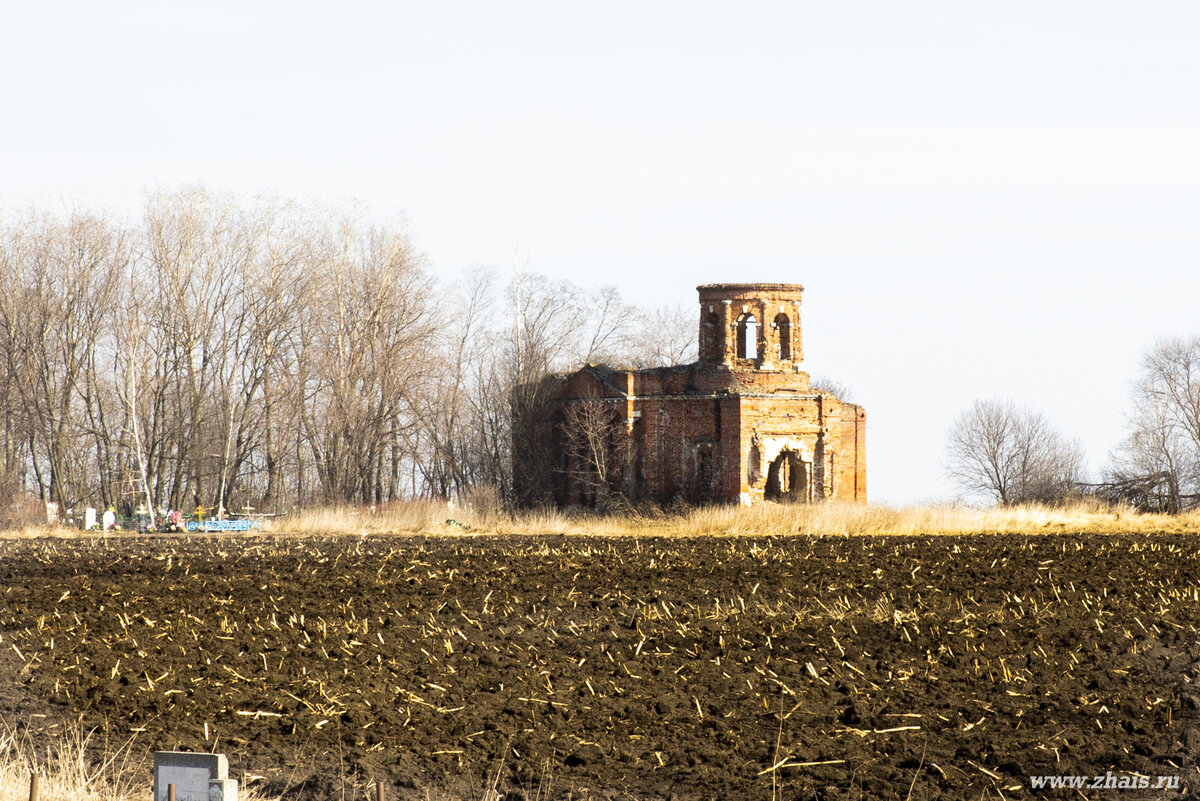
[(197, 777)]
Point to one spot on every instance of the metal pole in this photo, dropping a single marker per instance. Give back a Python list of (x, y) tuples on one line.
[(379, 791), (33, 787), (170, 792)]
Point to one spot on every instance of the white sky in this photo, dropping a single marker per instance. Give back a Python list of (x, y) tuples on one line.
[(982, 200)]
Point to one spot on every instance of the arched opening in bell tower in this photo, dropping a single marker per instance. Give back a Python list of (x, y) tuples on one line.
[(783, 328), (747, 337)]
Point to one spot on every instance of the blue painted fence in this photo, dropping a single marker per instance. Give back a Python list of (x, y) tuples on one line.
[(224, 525)]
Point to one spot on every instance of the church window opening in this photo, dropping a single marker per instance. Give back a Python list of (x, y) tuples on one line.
[(747, 337), (784, 326)]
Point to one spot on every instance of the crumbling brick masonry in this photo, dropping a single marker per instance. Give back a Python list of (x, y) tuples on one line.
[(743, 424)]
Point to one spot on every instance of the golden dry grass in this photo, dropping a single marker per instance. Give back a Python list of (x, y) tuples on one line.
[(77, 767), (822, 519), (68, 770), (834, 519), (859, 519)]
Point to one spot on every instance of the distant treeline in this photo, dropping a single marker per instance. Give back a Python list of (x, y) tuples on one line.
[(1011, 454), (219, 353)]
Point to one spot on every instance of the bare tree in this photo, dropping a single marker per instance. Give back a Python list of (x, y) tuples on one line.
[(372, 343), (196, 250), (1171, 380), (599, 450), (134, 360), (1011, 454), (660, 336), (833, 387), (545, 324), (14, 372), (1158, 465), (280, 285), (63, 275), (451, 456)]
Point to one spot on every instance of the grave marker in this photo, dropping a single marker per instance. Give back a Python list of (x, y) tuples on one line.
[(197, 777)]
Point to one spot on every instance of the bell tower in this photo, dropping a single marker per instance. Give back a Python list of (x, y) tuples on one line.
[(751, 327)]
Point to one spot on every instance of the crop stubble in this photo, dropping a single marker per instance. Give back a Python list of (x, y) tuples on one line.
[(701, 667)]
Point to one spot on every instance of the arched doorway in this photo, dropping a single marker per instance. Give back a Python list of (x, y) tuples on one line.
[(787, 479)]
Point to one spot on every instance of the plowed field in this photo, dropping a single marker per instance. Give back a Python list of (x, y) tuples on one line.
[(830, 668)]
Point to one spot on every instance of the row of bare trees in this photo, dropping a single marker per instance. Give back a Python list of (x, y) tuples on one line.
[(230, 355), (1012, 454)]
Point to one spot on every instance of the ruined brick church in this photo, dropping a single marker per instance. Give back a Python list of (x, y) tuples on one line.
[(741, 425)]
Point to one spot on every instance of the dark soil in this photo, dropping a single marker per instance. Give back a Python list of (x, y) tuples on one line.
[(922, 667)]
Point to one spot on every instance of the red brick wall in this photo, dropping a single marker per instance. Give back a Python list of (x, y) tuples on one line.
[(693, 426)]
